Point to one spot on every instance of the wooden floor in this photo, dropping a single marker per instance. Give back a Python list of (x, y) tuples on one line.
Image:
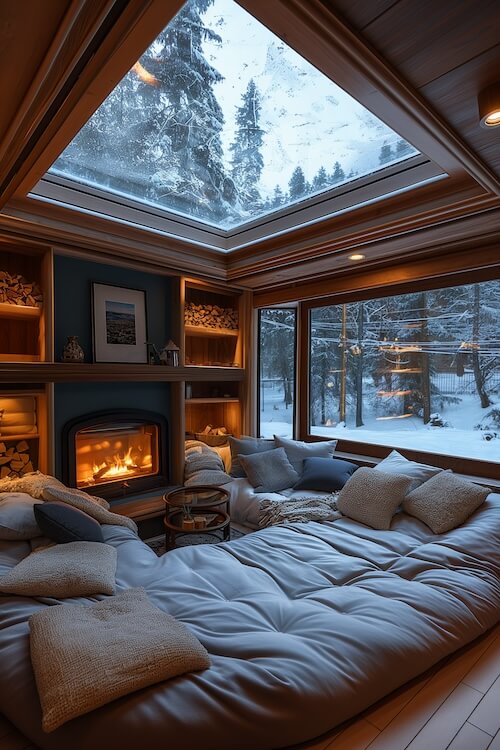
[(455, 706)]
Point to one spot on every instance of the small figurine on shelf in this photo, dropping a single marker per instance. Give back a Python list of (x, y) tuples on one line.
[(169, 355), (72, 351)]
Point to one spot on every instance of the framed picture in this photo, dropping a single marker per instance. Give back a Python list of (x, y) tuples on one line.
[(119, 324)]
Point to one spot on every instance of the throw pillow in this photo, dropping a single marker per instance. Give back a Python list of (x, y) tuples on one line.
[(74, 569), (297, 451), (372, 497), (17, 519), (245, 446), (91, 665), (325, 474), (395, 463), (269, 471), (445, 501), (63, 524)]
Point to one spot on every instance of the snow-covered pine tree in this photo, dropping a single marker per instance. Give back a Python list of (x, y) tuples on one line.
[(279, 198), (186, 113), (247, 162), (338, 173), (297, 186), (386, 154), (403, 148), (320, 181)]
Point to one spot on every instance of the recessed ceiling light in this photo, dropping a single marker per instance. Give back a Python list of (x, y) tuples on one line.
[(357, 256), (489, 106)]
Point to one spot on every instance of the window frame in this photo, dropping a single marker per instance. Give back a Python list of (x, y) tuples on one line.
[(371, 453), (294, 309)]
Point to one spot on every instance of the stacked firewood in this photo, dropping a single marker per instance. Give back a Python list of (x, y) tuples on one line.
[(15, 290), (210, 316), (14, 459)]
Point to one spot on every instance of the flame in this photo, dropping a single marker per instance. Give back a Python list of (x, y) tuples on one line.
[(145, 75), (120, 466)]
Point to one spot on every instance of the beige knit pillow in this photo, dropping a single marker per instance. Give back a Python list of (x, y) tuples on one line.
[(372, 497), (105, 650), (445, 501), (73, 569)]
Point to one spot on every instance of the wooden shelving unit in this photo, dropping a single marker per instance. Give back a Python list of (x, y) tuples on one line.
[(19, 312)]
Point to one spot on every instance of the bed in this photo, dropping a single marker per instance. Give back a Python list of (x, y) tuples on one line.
[(306, 625)]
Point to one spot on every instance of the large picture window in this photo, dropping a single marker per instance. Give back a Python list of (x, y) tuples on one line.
[(276, 381), (418, 371)]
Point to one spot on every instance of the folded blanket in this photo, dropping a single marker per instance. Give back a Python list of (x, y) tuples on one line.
[(298, 510), (203, 466), (43, 487)]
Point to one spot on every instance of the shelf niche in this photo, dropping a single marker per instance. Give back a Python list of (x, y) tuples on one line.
[(211, 344)]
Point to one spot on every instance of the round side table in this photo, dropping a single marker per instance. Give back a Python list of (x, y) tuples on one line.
[(188, 503)]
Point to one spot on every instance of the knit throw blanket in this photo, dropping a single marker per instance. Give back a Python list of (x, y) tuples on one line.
[(298, 510), (44, 487)]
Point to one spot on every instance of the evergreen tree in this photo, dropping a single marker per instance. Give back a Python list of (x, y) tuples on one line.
[(338, 173), (279, 198), (320, 181), (386, 154), (403, 148), (297, 185), (247, 161), (184, 110)]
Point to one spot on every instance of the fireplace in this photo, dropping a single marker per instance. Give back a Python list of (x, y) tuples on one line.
[(115, 453)]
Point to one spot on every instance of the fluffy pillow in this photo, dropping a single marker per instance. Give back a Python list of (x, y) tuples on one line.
[(17, 519), (372, 497), (297, 451), (325, 474), (445, 501), (269, 471), (39, 485), (63, 524), (395, 463), (91, 665), (245, 446), (74, 569)]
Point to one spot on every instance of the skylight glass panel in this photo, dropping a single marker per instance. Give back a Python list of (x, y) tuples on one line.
[(220, 121)]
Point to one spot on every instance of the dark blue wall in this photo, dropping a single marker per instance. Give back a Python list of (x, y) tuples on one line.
[(73, 317), (73, 309)]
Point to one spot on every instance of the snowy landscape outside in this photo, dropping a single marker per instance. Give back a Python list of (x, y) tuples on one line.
[(221, 121), (418, 371)]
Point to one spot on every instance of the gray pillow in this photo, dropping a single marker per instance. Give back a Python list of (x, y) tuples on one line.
[(297, 451), (73, 569), (372, 497), (395, 463), (245, 446), (17, 518), (445, 501), (269, 471)]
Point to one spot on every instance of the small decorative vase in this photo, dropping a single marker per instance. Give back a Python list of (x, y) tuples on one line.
[(169, 355), (72, 351)]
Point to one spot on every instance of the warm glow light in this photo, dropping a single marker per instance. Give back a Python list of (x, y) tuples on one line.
[(400, 416), (489, 106), (493, 119), (357, 256), (145, 75)]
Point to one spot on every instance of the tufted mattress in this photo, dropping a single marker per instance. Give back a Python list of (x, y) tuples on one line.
[(306, 626)]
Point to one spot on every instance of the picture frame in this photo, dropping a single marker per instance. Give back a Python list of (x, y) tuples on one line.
[(119, 324)]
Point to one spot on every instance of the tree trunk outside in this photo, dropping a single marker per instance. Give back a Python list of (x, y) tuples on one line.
[(343, 366), (359, 368), (425, 365), (476, 364)]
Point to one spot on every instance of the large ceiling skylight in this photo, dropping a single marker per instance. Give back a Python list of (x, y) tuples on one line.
[(222, 123)]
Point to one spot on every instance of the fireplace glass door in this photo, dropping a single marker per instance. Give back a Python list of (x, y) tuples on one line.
[(116, 453)]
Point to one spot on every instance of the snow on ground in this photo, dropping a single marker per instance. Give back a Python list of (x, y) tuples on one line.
[(460, 439)]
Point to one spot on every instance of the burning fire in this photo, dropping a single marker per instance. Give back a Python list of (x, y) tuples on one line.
[(123, 465)]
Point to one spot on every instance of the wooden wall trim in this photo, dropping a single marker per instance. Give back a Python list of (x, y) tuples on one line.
[(445, 269)]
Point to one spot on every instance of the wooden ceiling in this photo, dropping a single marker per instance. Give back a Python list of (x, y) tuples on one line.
[(417, 64)]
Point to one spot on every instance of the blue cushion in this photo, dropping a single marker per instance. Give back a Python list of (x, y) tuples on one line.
[(62, 523), (325, 474)]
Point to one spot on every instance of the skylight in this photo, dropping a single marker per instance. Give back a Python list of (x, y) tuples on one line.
[(222, 123)]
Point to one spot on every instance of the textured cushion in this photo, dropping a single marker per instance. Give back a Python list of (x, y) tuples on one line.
[(270, 471), (445, 501), (62, 523), (395, 463), (105, 650), (325, 474), (17, 519), (74, 569), (372, 497), (297, 451), (245, 446)]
